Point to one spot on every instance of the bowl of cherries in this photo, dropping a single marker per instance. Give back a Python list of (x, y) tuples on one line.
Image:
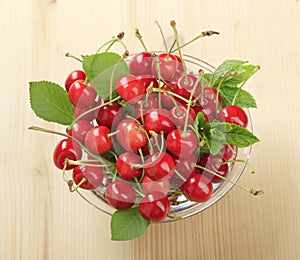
[(149, 137)]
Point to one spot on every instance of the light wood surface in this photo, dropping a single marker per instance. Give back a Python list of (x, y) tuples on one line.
[(40, 219)]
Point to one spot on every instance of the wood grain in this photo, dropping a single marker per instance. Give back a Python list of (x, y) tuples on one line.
[(41, 220)]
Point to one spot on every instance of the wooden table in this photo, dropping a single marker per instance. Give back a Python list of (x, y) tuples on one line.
[(40, 219)]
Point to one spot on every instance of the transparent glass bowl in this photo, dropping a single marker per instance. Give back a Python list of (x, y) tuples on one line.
[(189, 208)]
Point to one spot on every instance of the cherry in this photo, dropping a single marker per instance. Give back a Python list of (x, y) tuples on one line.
[(179, 114), (82, 95), (130, 88), (79, 129), (74, 76), (161, 166), (106, 114), (80, 110), (214, 163), (170, 67), (228, 152), (124, 165), (155, 206), (97, 140), (141, 64), (144, 106), (159, 120), (150, 186), (130, 135), (197, 188), (120, 194), (147, 80), (66, 149), (233, 115), (93, 176), (156, 145), (185, 165), (185, 85), (208, 109), (180, 145)]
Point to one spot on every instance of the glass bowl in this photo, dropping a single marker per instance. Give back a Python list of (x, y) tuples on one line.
[(188, 208)]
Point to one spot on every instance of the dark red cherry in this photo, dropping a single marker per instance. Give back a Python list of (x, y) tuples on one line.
[(93, 176), (66, 149), (78, 111), (124, 165), (166, 99), (150, 186), (179, 114), (141, 64), (106, 114), (185, 166), (144, 106), (234, 115), (80, 129), (97, 140), (147, 80), (161, 166), (120, 195), (155, 206), (182, 146), (197, 188), (74, 76), (185, 85), (130, 88), (229, 152), (82, 95)]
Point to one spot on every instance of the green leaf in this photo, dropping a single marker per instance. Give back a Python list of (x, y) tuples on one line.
[(241, 97), (50, 102), (97, 63), (243, 73), (128, 224), (199, 121), (240, 136), (104, 83)]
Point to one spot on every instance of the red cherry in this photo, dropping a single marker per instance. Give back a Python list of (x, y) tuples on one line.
[(93, 176), (161, 166), (124, 165), (155, 206), (179, 113), (228, 152), (130, 88), (144, 106), (130, 135), (182, 146), (120, 195), (106, 114), (79, 129), (147, 80), (159, 120), (150, 186), (97, 140), (156, 146), (82, 95), (166, 99), (74, 76), (185, 85), (197, 188), (141, 64), (66, 149), (80, 110), (185, 165), (234, 115), (214, 163)]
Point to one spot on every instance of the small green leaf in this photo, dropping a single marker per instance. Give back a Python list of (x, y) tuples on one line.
[(128, 224), (50, 102), (199, 121), (243, 73), (241, 97), (240, 136)]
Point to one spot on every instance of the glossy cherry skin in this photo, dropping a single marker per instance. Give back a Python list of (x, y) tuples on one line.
[(185, 165), (93, 176), (214, 163), (130, 135), (197, 188), (161, 167), (156, 146), (229, 152), (97, 140), (150, 186), (74, 76), (80, 129), (155, 206), (106, 114), (166, 99), (82, 95), (66, 149), (130, 88), (170, 67), (141, 64), (147, 80), (159, 120), (124, 165), (182, 146), (179, 114), (233, 115), (144, 106), (120, 195), (185, 85), (80, 110)]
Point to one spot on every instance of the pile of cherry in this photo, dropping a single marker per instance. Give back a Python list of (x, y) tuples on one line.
[(141, 146)]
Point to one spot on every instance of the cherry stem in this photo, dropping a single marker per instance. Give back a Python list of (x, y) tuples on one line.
[(143, 159), (173, 25), (140, 128), (73, 189), (92, 110), (111, 42), (174, 217), (218, 90), (157, 68), (139, 36), (162, 35), (69, 55), (113, 133), (251, 191), (71, 162), (179, 175), (64, 172), (172, 46), (203, 34), (242, 161), (138, 184)]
